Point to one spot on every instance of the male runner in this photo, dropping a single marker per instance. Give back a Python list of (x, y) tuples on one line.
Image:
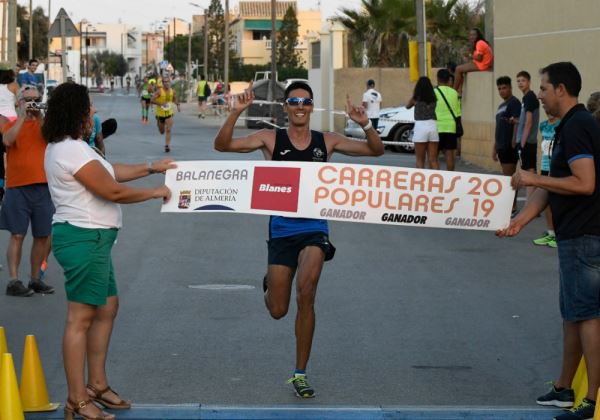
[(297, 246), (145, 98), (164, 97)]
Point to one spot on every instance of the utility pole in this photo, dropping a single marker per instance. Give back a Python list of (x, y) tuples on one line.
[(12, 32), (206, 45), (421, 36), (48, 41), (226, 63), (4, 28), (30, 29), (87, 56), (189, 63), (63, 46), (273, 80), (173, 43)]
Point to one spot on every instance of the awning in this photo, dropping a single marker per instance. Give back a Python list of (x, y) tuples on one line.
[(260, 25)]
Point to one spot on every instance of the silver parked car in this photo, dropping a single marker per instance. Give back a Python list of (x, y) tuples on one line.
[(395, 124)]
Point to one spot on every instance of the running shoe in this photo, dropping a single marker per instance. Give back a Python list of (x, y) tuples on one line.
[(545, 239), (38, 286), (552, 243), (167, 149), (301, 386), (584, 411), (17, 288), (563, 399)]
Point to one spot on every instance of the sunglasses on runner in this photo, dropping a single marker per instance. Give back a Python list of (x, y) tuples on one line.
[(297, 101)]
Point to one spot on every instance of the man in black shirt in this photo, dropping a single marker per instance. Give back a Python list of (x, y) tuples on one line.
[(573, 192)]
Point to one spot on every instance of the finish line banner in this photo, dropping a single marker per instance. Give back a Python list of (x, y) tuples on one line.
[(344, 192)]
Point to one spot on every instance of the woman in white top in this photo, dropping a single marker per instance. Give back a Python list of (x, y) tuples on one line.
[(85, 190), (8, 92)]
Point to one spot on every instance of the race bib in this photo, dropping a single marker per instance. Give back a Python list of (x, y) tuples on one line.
[(144, 92), (546, 147), (166, 107)]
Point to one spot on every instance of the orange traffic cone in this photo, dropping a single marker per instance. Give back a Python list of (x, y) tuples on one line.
[(580, 383), (10, 401), (3, 345), (34, 394)]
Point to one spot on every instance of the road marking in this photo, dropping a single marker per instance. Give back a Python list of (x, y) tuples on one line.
[(221, 286)]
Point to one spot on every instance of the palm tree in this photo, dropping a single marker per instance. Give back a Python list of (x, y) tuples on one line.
[(382, 28)]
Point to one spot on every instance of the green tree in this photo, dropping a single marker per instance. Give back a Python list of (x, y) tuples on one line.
[(108, 63), (216, 47), (179, 61), (381, 31), (382, 28), (40, 33), (287, 38)]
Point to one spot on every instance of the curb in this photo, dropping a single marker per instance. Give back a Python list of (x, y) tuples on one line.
[(198, 411)]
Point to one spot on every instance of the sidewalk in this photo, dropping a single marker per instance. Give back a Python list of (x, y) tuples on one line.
[(198, 411)]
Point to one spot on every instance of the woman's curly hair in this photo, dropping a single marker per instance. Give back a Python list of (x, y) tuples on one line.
[(593, 105), (68, 113)]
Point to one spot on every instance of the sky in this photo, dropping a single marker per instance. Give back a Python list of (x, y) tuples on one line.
[(144, 12)]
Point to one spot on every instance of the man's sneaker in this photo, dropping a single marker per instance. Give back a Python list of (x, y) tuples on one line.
[(563, 399), (17, 288), (584, 411), (301, 386), (552, 243), (545, 240), (38, 286)]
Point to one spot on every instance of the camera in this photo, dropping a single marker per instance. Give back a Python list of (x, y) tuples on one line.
[(37, 106)]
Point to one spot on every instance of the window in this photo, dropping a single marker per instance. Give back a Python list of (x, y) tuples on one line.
[(260, 35), (315, 54)]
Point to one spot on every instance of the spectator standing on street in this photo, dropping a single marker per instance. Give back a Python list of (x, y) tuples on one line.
[(573, 192), (425, 134), (481, 58), (529, 120), (8, 92), (27, 198), (446, 112), (372, 102), (29, 77), (85, 189), (504, 148), (547, 130)]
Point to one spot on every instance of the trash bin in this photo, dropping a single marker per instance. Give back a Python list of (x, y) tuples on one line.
[(261, 92)]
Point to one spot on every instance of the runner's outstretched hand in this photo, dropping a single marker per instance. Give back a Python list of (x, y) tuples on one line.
[(243, 100), (356, 113)]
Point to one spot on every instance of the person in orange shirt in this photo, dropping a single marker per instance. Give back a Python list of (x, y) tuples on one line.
[(481, 58), (27, 198)]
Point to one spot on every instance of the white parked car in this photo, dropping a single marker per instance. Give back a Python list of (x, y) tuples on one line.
[(395, 124)]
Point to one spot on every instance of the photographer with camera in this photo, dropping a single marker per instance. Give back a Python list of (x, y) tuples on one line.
[(27, 197)]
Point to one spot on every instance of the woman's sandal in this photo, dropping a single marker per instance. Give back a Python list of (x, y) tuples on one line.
[(97, 396), (72, 409)]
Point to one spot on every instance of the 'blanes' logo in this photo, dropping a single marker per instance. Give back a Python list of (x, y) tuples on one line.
[(275, 189)]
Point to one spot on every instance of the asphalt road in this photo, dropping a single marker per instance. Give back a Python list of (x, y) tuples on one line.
[(405, 316)]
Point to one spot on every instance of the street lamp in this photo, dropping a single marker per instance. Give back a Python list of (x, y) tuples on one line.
[(205, 39)]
